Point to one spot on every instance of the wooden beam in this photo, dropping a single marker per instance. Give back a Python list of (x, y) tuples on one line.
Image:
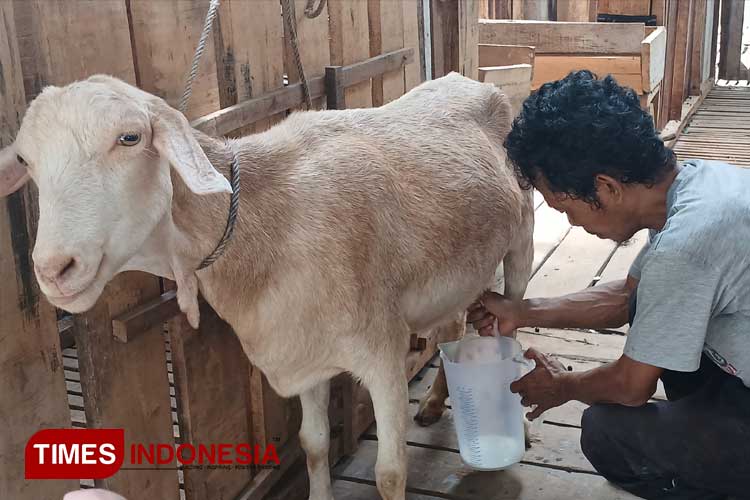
[(468, 38), (33, 396), (312, 38), (681, 67), (505, 55), (226, 120), (666, 87), (732, 18), (335, 91), (696, 49), (211, 381), (564, 37), (350, 44), (575, 10), (625, 69), (653, 58), (714, 38), (128, 326)]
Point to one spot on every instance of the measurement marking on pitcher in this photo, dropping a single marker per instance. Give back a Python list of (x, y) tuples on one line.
[(471, 422)]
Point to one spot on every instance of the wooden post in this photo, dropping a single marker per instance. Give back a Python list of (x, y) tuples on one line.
[(468, 38), (696, 49), (732, 18), (211, 382), (683, 39), (312, 38), (350, 43), (386, 35), (666, 86), (33, 396), (715, 38), (335, 92)]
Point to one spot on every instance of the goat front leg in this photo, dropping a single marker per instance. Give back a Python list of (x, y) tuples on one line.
[(315, 439), (390, 399), (432, 405)]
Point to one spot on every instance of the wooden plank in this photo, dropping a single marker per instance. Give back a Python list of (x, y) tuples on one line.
[(34, 395), (618, 266), (363, 71), (564, 37), (732, 20), (653, 58), (666, 87), (445, 33), (505, 55), (552, 444), (165, 35), (350, 43), (573, 266), (351, 490), (126, 327), (514, 81), (681, 54), (574, 10), (625, 7), (312, 37), (126, 385), (697, 55), (58, 40), (225, 120), (468, 38), (386, 35), (573, 344), (211, 380), (441, 473), (413, 72), (625, 69), (253, 53)]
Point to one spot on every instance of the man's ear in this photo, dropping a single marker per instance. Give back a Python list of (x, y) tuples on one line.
[(13, 173), (608, 189), (173, 139)]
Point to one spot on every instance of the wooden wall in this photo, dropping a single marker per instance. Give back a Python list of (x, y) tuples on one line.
[(219, 397), (692, 27)]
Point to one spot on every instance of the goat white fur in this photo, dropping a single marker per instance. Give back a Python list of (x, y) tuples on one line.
[(356, 228)]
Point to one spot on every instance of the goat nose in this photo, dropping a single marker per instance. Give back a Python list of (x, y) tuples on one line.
[(54, 268)]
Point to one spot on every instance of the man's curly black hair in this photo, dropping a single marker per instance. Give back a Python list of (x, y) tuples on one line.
[(571, 130)]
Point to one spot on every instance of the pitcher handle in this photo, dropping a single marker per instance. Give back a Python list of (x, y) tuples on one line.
[(527, 364)]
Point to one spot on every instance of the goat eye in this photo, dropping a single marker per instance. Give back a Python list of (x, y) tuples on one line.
[(129, 139), (21, 161)]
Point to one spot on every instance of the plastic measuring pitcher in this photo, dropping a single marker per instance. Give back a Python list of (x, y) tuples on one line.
[(488, 417)]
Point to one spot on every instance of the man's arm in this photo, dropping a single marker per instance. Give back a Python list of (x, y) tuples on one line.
[(625, 381), (602, 306)]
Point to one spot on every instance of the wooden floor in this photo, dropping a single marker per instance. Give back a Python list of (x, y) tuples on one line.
[(720, 129)]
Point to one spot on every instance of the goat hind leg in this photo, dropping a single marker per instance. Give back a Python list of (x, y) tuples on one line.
[(315, 439), (432, 404)]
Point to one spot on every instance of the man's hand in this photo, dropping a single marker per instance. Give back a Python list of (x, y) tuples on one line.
[(493, 307), (543, 386)]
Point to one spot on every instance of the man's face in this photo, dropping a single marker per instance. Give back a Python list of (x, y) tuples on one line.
[(612, 220)]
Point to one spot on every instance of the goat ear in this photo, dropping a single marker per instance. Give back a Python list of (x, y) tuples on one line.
[(13, 174), (174, 140)]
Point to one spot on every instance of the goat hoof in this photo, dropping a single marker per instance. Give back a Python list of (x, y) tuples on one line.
[(428, 414)]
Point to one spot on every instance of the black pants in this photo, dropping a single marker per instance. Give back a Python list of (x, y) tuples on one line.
[(694, 446)]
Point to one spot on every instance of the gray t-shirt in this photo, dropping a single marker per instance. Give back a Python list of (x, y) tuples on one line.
[(694, 275)]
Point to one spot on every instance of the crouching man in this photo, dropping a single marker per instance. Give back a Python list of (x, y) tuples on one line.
[(589, 149)]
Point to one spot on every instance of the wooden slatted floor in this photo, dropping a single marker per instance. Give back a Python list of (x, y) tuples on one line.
[(720, 129)]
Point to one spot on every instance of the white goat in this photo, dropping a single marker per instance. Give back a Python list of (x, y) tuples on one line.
[(356, 228)]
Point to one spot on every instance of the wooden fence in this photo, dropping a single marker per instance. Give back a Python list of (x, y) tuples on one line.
[(137, 363)]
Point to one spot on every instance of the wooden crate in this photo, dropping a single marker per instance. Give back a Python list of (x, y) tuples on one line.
[(632, 53)]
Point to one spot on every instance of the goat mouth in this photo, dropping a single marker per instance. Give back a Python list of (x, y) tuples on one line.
[(63, 301)]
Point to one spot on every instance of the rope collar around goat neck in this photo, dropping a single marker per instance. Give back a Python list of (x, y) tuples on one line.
[(234, 205)]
